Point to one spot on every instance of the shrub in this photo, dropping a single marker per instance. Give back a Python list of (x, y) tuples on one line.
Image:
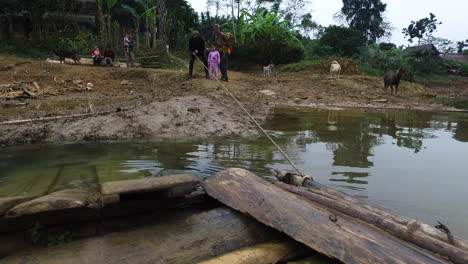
[(464, 70), (344, 41), (314, 50)]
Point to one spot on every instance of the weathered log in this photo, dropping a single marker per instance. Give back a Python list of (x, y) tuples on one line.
[(51, 118), (324, 230), (267, 253), (385, 213), (183, 237), (408, 233), (186, 182)]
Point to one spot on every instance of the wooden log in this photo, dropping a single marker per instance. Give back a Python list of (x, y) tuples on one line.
[(385, 213), (185, 183), (183, 237), (328, 232), (408, 233), (266, 253)]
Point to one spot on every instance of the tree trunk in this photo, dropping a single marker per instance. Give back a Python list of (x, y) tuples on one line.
[(324, 230), (102, 26), (384, 213), (162, 25), (147, 33), (155, 28), (137, 34), (233, 22), (408, 233), (109, 28)]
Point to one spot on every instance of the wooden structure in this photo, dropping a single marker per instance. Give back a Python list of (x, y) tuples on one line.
[(333, 223)]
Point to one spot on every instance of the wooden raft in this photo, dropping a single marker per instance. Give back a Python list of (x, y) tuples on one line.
[(327, 231)]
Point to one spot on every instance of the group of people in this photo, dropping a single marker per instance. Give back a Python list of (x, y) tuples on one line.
[(108, 56), (216, 57)]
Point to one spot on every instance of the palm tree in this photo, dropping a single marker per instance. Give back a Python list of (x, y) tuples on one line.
[(162, 24)]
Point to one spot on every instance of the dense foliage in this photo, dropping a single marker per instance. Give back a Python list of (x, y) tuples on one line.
[(366, 17), (279, 31), (418, 29), (343, 41)]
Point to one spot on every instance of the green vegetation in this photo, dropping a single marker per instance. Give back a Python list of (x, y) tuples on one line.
[(464, 70), (279, 31), (35, 232), (419, 29), (60, 239), (300, 66), (345, 42)]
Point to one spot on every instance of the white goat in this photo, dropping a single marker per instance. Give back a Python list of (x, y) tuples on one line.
[(335, 70), (267, 71)]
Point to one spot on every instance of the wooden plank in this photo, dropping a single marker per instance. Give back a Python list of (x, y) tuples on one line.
[(326, 231)]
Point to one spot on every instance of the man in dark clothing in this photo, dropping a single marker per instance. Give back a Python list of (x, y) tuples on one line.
[(222, 41), (197, 49), (109, 56)]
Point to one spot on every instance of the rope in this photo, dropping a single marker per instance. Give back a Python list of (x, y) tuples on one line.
[(298, 170)]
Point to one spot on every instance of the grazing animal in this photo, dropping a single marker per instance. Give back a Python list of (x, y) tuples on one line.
[(62, 54), (335, 70), (393, 80), (268, 70)]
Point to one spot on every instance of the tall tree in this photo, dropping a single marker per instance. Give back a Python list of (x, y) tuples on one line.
[(418, 29), (366, 17), (163, 24), (461, 46)]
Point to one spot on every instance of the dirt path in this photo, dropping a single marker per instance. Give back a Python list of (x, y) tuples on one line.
[(165, 103)]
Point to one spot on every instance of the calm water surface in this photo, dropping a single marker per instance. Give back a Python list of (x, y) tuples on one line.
[(414, 163)]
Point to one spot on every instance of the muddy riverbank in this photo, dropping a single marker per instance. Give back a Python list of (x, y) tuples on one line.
[(129, 104)]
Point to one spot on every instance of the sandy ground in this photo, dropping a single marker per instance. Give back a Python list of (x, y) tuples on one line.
[(148, 103)]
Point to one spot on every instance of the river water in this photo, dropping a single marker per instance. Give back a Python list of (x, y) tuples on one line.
[(415, 163)]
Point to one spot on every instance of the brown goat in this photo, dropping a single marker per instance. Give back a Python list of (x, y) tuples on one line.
[(393, 80)]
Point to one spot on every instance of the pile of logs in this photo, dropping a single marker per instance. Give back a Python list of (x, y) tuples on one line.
[(335, 224)]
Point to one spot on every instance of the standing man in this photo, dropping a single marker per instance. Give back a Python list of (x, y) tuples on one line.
[(128, 49), (197, 50), (222, 41)]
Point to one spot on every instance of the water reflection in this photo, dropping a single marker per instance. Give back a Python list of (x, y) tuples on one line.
[(411, 162)]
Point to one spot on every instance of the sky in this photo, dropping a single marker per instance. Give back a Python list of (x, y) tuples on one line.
[(453, 14)]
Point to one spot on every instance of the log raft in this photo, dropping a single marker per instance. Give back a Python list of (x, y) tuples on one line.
[(325, 225)]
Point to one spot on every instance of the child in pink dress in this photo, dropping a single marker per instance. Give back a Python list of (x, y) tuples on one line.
[(214, 59)]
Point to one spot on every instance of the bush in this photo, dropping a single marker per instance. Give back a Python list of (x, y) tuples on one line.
[(345, 42), (376, 61), (387, 46), (265, 38), (314, 50), (464, 70), (286, 50)]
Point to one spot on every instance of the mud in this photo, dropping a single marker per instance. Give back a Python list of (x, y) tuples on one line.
[(165, 103), (191, 116)]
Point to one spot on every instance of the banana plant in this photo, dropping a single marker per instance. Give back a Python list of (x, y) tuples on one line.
[(104, 16), (149, 14)]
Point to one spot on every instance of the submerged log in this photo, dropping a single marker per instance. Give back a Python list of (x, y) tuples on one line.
[(324, 230), (267, 253), (384, 213), (183, 237)]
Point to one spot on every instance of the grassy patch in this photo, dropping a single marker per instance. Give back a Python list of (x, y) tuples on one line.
[(300, 66), (437, 79)]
